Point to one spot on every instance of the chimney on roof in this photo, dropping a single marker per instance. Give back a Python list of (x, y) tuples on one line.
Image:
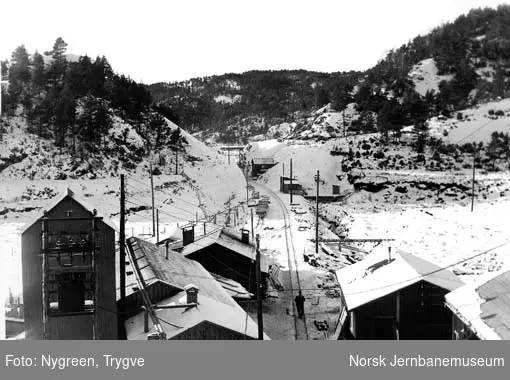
[(245, 236), (191, 293), (70, 192), (188, 234)]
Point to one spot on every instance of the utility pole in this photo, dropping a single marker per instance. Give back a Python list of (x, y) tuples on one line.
[(252, 228), (122, 261), (290, 186), (283, 169), (228, 152), (317, 178), (259, 298), (152, 195), (157, 225), (473, 182)]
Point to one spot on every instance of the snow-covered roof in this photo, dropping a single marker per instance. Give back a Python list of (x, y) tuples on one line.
[(227, 238), (215, 304), (263, 161), (233, 288), (484, 306), (377, 276), (55, 201), (178, 320), (176, 271)]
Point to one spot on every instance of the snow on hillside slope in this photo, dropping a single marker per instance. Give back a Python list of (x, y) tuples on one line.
[(425, 78), (307, 158), (228, 99), (326, 123), (477, 124), (204, 184)]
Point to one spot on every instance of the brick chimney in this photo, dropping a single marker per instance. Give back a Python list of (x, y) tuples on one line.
[(188, 234), (245, 236), (191, 293)]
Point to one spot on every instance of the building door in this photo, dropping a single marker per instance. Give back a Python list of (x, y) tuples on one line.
[(384, 329)]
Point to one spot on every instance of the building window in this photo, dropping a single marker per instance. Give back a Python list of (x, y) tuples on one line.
[(71, 292)]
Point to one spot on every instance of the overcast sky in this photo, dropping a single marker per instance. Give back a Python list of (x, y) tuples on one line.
[(169, 40)]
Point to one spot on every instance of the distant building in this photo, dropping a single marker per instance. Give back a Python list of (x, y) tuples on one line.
[(68, 268), (285, 185), (224, 252), (394, 295), (261, 165), (173, 280), (481, 310)]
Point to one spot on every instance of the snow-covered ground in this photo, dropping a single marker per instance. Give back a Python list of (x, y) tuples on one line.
[(478, 123), (443, 233), (203, 186), (425, 78)]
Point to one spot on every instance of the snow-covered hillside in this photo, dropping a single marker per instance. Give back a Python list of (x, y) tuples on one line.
[(425, 78), (307, 158), (30, 168)]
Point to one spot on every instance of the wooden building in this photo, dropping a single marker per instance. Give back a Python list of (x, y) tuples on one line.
[(68, 268), (481, 311), (286, 187), (261, 165), (394, 295), (173, 280), (227, 253)]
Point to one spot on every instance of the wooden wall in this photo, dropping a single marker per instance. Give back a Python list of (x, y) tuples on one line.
[(432, 320), (210, 331), (106, 309), (238, 267), (460, 331)]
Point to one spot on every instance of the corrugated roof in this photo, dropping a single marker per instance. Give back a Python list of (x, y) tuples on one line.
[(377, 276), (178, 320), (69, 193), (233, 288), (484, 306), (177, 271), (215, 304)]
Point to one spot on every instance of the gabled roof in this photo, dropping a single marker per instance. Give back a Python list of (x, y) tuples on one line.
[(215, 304), (377, 276), (179, 320), (69, 193), (177, 271), (484, 306), (227, 238)]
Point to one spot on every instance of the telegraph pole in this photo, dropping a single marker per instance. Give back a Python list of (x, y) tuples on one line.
[(290, 186), (122, 261), (317, 178), (259, 298), (252, 233), (157, 225), (473, 182), (152, 195)]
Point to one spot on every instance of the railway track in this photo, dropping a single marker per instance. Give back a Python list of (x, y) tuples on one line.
[(301, 330)]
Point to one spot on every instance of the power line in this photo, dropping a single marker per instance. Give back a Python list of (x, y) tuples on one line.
[(164, 204), (417, 277)]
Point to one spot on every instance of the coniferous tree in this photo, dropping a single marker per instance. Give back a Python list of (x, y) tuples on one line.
[(19, 74)]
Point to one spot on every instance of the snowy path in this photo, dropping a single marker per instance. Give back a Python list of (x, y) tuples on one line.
[(279, 231), (292, 278)]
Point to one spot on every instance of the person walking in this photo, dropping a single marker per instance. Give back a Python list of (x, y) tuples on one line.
[(300, 305)]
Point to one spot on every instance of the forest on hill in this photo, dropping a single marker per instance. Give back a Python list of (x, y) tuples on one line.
[(474, 49)]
